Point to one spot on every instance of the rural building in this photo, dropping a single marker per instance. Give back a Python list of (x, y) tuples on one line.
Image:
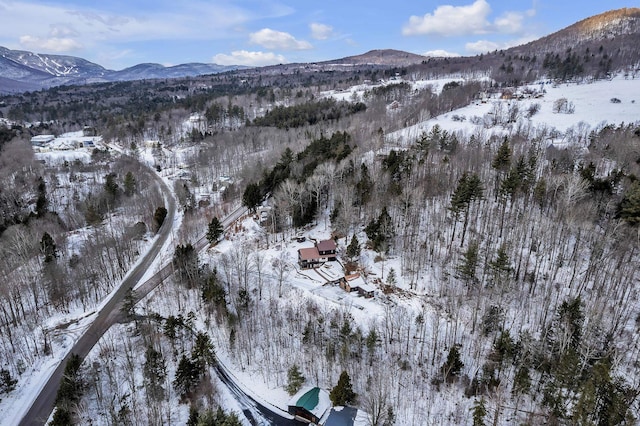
[(344, 416), (41, 140), (308, 257), (321, 252), (310, 404), (327, 248), (355, 282)]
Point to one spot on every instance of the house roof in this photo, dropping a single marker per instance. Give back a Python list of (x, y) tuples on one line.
[(313, 399), (309, 253), (344, 416), (326, 245)]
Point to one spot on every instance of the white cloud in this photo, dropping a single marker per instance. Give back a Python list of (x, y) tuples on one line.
[(439, 53), (243, 57), (99, 27), (320, 31), (51, 44), (484, 46), (509, 22), (271, 39), (451, 20)]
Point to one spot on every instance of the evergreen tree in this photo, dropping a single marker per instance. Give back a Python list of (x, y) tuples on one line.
[(212, 291), (295, 379), (521, 381), (353, 249), (453, 365), (364, 187), (7, 383), (154, 372), (71, 385), (129, 184), (111, 186), (501, 162), (194, 414), (468, 190), (187, 377), (629, 209), (381, 231), (501, 265), (252, 197), (479, 412), (158, 218), (61, 417), (42, 203), (185, 263), (214, 231), (48, 248), (203, 353), (342, 394), (467, 269)]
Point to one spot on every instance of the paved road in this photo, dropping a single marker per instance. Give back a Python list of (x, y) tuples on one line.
[(256, 413), (41, 408), (43, 405)]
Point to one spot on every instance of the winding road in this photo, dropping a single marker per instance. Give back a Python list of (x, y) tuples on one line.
[(43, 404)]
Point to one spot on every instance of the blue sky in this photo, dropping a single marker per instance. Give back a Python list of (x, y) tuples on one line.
[(119, 33)]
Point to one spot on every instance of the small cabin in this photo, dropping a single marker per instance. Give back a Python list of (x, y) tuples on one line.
[(310, 404)]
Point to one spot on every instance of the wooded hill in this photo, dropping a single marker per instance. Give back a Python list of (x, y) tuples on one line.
[(512, 297)]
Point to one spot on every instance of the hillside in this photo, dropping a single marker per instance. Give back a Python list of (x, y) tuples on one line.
[(448, 243)]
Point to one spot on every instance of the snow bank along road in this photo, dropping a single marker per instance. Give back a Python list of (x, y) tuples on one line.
[(43, 404)]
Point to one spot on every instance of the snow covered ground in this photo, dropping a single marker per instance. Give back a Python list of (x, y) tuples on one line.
[(593, 108)]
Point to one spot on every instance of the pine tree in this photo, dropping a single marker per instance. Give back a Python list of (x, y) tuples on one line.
[(251, 197), (295, 379), (42, 203), (154, 372), (111, 186), (214, 231), (158, 218), (364, 187), (7, 383), (467, 269), (479, 412), (453, 365), (501, 162), (629, 209), (48, 248), (353, 249), (203, 353), (129, 184), (342, 393), (187, 377), (501, 266)]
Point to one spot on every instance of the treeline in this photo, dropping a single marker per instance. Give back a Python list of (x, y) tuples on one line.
[(308, 113)]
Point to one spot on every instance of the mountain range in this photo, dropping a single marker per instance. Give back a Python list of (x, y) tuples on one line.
[(611, 39), (22, 70)]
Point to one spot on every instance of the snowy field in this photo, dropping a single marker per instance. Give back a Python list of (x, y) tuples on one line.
[(593, 108)]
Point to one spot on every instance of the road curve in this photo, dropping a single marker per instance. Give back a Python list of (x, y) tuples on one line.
[(43, 404)]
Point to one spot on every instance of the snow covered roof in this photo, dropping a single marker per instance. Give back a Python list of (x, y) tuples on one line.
[(313, 399), (43, 138), (344, 416)]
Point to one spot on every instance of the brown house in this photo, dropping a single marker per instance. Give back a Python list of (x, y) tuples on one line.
[(312, 257), (327, 248)]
